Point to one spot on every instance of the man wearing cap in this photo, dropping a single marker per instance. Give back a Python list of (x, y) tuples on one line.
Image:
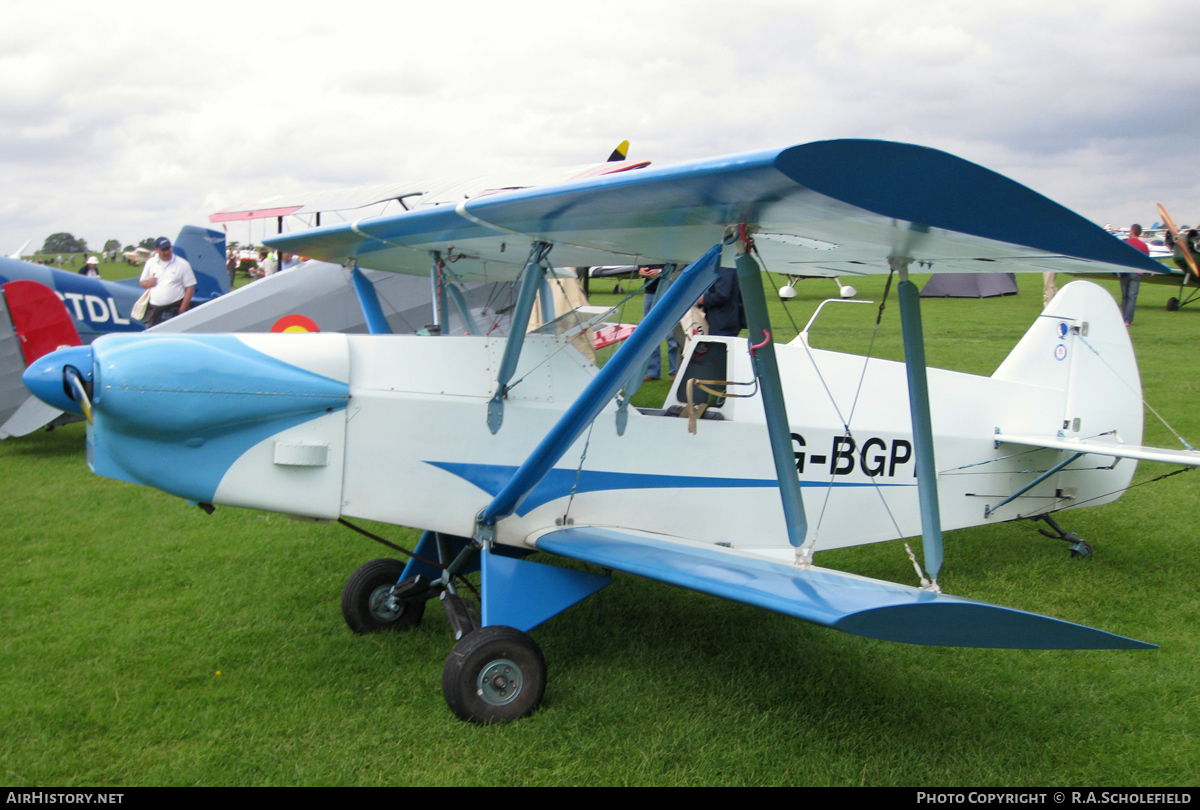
[(92, 268), (170, 280)]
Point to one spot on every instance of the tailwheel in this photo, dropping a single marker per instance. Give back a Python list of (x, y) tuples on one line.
[(1078, 546), (494, 675), (368, 603)]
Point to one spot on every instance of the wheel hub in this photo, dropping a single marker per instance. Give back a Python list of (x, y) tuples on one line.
[(379, 604), (499, 683)]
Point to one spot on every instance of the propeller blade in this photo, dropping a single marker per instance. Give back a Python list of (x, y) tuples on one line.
[(80, 390), (1184, 248)]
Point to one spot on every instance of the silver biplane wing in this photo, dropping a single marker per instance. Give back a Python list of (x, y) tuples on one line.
[(413, 195)]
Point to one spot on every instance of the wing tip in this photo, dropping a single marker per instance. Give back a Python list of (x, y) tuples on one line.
[(964, 623)]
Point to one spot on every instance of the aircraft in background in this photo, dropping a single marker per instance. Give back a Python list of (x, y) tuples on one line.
[(139, 255), (378, 198), (1182, 246), (323, 295), (93, 307), (762, 455)]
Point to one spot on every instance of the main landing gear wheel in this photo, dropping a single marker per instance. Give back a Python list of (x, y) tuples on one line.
[(1172, 304), (494, 675), (366, 595)]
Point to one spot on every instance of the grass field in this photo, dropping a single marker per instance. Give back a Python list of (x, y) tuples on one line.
[(146, 643)]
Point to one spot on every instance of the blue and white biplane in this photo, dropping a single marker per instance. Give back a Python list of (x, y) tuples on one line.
[(498, 447)]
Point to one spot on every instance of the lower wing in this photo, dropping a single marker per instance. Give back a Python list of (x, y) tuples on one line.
[(847, 602)]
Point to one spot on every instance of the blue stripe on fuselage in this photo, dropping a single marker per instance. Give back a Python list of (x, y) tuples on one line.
[(559, 483)]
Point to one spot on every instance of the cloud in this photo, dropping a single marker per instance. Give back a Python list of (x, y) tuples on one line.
[(133, 118)]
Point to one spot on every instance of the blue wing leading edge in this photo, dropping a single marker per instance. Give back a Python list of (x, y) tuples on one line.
[(826, 208)]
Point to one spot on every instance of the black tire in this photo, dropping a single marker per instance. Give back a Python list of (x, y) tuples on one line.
[(364, 599), (1172, 304), (495, 675)]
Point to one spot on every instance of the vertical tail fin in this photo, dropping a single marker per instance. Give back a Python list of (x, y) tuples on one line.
[(1079, 353), (205, 251)]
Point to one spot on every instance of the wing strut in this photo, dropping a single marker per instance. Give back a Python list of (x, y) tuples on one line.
[(653, 329), (531, 281), (665, 279), (762, 357), (437, 279), (464, 311), (368, 301), (922, 427), (546, 298)]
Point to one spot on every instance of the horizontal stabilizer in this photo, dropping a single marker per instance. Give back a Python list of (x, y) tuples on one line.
[(854, 604), (30, 416), (1113, 449)]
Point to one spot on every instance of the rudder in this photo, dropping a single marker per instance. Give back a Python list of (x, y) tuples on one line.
[(204, 250)]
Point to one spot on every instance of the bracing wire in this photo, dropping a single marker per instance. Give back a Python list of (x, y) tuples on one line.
[(618, 306), (1125, 382)]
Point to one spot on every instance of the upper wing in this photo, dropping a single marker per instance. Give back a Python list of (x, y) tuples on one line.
[(826, 208), (854, 604), (342, 199), (411, 195)]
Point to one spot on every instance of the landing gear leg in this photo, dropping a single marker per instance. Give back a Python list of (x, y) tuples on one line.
[(462, 613)]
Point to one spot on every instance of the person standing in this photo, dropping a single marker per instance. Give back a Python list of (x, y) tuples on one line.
[(722, 305), (92, 268), (267, 266), (1049, 288), (1131, 282), (171, 283), (649, 296)]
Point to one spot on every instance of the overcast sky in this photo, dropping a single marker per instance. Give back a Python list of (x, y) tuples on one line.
[(130, 119)]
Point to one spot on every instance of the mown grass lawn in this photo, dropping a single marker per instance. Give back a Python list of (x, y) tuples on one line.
[(145, 643)]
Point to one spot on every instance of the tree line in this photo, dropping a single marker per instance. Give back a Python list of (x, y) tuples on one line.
[(64, 242)]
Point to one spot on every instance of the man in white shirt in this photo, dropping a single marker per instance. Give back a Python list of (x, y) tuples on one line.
[(267, 266), (171, 282)]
